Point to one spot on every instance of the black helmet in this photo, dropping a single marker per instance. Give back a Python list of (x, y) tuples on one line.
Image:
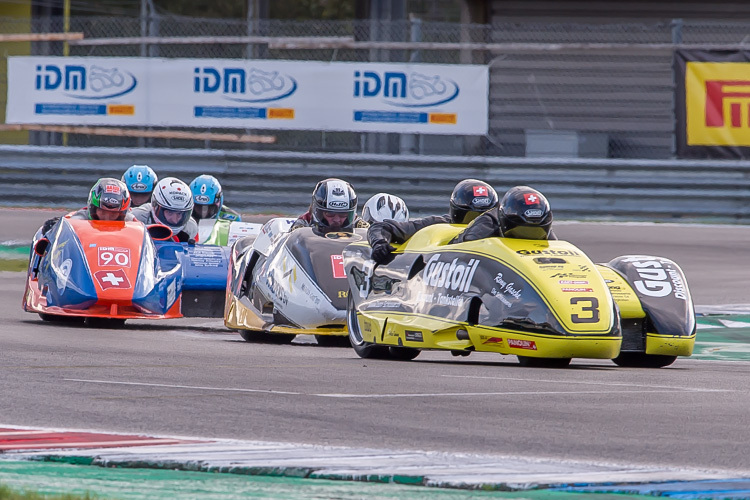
[(525, 213), (109, 196), (471, 198), (334, 205)]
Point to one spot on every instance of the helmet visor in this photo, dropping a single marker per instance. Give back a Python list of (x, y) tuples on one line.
[(463, 216), (138, 199), (175, 219), (205, 211), (528, 232), (335, 220), (104, 213)]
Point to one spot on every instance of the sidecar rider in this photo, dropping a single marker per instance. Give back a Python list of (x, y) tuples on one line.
[(109, 199), (171, 205), (208, 200), (523, 213), (333, 208), (470, 198), (140, 180), (384, 206)]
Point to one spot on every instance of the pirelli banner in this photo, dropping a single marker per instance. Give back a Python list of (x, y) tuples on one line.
[(713, 103)]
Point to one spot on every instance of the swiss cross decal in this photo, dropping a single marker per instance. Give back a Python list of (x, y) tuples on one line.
[(109, 188), (480, 191), (530, 198), (337, 264), (116, 278)]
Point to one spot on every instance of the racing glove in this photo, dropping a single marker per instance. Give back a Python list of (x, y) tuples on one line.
[(381, 251)]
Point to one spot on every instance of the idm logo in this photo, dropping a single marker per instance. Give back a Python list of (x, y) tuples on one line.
[(85, 82), (396, 88), (243, 85)]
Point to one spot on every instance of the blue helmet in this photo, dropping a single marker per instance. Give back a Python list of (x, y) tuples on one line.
[(140, 181), (207, 196)]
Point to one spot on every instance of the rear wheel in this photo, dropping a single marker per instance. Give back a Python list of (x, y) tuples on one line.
[(362, 348), (643, 360), (263, 337), (530, 362), (332, 340)]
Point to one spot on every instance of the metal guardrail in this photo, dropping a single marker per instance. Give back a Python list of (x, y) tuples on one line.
[(281, 182)]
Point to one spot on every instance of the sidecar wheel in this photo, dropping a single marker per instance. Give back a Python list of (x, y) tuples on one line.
[(643, 360), (363, 349), (530, 362)]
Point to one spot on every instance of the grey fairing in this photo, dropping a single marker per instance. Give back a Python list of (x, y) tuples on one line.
[(313, 253), (662, 288)]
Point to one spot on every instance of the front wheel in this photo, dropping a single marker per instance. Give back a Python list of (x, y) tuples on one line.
[(531, 362), (643, 360), (363, 349)]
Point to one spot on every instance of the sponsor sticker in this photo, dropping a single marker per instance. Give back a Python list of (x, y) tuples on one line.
[(455, 275), (573, 282), (493, 340), (413, 336), (480, 191), (481, 202), (337, 265), (114, 256), (522, 344), (341, 235), (109, 201), (202, 198), (548, 251), (577, 289), (116, 278), (110, 188), (63, 274), (530, 198), (658, 277), (533, 212)]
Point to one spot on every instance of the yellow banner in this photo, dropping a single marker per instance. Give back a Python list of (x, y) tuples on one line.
[(717, 98)]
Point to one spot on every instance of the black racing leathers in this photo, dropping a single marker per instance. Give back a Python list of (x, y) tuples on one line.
[(380, 235), (486, 225), (390, 231)]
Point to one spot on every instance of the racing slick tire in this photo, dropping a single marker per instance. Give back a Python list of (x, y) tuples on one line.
[(531, 362), (264, 337), (104, 323), (363, 349), (643, 360), (56, 318), (332, 340), (403, 353)]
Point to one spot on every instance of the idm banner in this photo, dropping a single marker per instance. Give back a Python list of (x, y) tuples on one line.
[(238, 93), (713, 103)]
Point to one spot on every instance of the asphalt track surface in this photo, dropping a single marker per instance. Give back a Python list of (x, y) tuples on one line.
[(194, 378)]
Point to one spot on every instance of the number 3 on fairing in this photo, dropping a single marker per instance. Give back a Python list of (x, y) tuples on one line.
[(592, 309)]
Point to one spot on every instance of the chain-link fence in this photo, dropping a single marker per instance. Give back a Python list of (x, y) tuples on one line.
[(596, 90)]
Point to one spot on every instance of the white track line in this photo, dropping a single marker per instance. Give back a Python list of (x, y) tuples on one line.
[(224, 389), (585, 382), (394, 395)]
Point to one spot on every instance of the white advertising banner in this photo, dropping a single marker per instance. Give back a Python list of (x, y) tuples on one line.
[(238, 93)]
